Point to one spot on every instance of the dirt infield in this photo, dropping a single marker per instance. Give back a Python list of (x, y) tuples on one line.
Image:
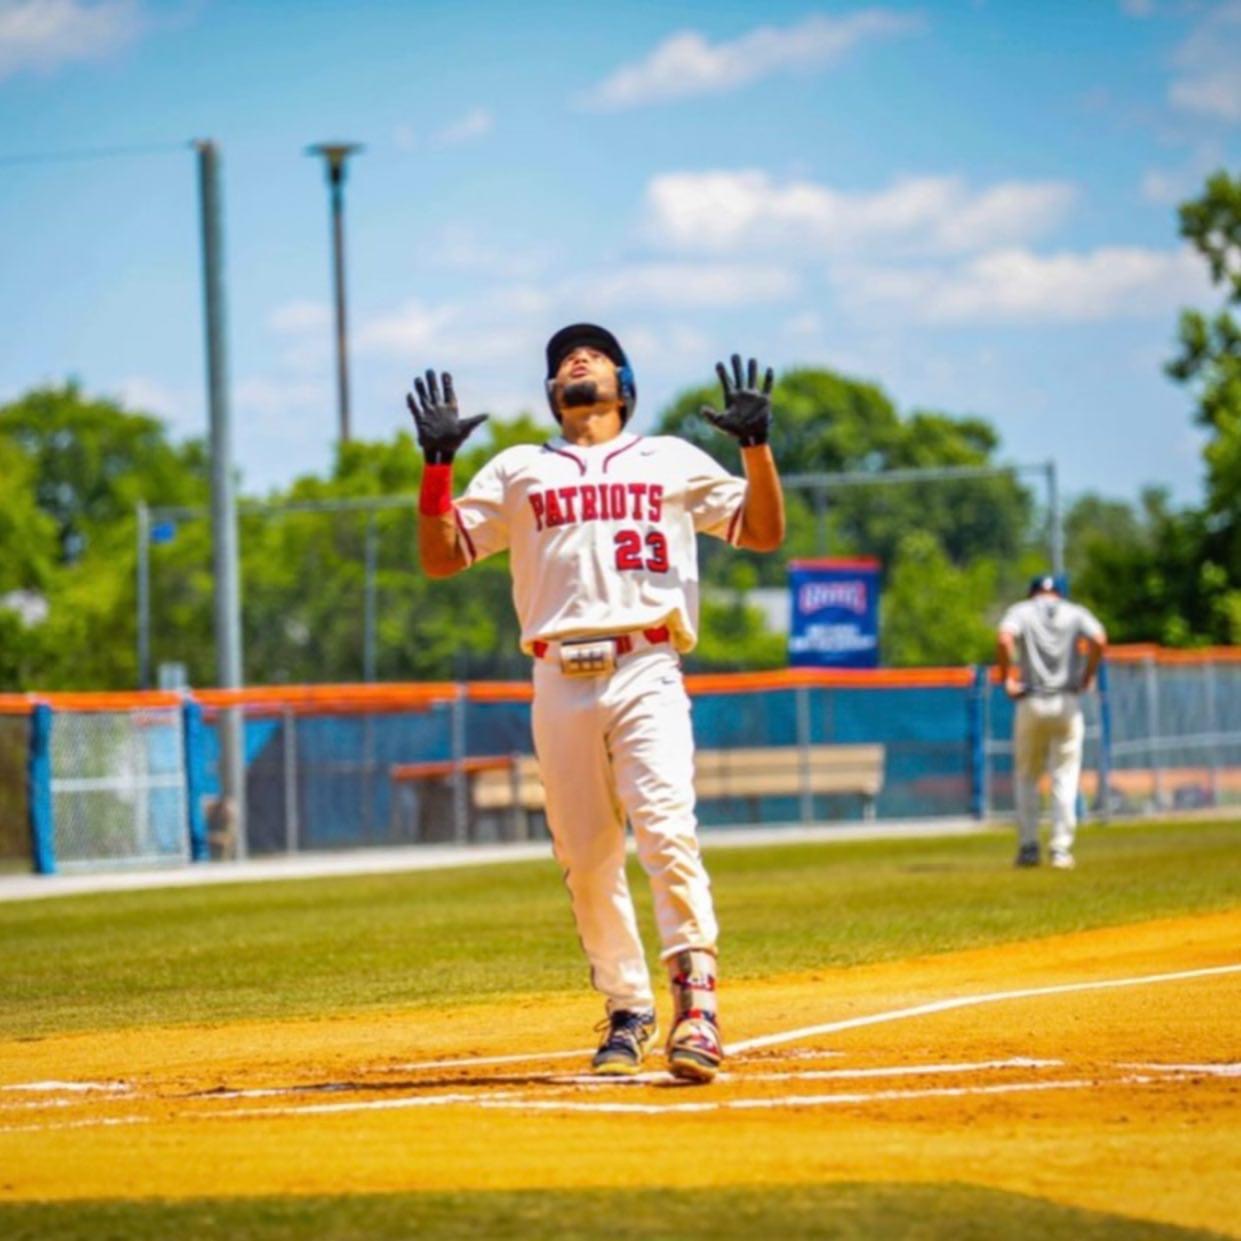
[(1098, 1070)]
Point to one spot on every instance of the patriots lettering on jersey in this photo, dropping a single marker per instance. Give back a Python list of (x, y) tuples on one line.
[(565, 506)]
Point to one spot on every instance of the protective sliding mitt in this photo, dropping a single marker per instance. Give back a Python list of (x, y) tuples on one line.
[(441, 430), (747, 409)]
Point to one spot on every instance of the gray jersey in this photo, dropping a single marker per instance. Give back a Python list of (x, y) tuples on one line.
[(1047, 629)]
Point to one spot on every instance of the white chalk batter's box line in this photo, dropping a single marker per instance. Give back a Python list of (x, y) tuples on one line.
[(1138, 1074)]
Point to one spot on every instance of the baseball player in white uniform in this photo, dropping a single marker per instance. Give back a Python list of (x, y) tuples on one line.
[(1049, 650), (600, 525)]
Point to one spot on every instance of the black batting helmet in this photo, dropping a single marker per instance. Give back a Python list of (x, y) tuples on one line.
[(591, 334)]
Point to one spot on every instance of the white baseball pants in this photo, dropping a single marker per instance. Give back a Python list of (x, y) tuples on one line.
[(1048, 735), (613, 747)]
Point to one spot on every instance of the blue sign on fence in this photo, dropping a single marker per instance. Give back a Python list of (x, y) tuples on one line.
[(835, 613)]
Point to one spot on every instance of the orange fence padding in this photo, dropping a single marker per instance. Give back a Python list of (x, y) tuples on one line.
[(371, 698), (360, 699), (1138, 651), (829, 678)]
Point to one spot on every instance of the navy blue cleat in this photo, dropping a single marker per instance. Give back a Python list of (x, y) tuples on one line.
[(625, 1038)]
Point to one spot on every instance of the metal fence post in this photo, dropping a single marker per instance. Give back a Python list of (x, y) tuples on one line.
[(39, 790), (977, 734), (292, 824), (1104, 800), (193, 733), (460, 803), (1212, 723), (802, 701), (1152, 728)]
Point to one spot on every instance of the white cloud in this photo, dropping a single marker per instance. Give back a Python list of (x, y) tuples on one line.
[(807, 323), (734, 211), (1015, 285), (271, 397), (684, 285), (460, 248), (294, 318), (180, 408), (687, 64), (42, 35), (474, 124), (408, 330), (1209, 65), (1168, 186), (511, 321)]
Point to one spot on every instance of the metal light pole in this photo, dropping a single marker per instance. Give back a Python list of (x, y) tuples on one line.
[(334, 155), (223, 497)]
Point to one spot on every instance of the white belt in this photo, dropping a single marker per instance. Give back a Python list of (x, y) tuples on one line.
[(622, 643)]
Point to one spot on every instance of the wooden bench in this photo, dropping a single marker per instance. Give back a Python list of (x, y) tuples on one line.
[(514, 785)]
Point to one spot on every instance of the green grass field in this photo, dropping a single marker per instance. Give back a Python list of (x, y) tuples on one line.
[(835, 1212), (328, 946), (310, 947)]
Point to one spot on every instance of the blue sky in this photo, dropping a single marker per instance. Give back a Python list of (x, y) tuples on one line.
[(971, 203)]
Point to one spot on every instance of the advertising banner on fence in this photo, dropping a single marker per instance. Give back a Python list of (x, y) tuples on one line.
[(835, 613)]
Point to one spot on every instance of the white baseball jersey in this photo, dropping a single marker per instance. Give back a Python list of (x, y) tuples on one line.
[(1047, 629), (601, 537)]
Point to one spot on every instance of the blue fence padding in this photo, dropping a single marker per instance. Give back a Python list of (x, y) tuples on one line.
[(924, 731), (343, 785), (194, 735), (498, 728), (39, 791)]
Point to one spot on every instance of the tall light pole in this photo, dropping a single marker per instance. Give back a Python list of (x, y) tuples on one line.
[(223, 498), (334, 156)]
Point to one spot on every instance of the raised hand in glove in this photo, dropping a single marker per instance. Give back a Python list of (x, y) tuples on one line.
[(441, 430), (747, 409)]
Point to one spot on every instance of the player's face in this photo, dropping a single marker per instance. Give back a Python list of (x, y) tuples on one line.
[(587, 365)]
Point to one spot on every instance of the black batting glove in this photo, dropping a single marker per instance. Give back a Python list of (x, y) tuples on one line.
[(441, 430), (747, 408)]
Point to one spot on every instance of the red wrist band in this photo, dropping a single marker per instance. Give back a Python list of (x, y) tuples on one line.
[(435, 498)]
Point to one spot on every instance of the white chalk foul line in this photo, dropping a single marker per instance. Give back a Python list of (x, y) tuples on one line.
[(817, 1075), (68, 1087), (967, 1001), (466, 1062), (94, 1122), (1202, 1070), (821, 1100), (371, 1105)]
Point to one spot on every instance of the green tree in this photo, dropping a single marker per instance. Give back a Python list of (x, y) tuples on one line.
[(87, 464), (304, 579), (934, 612), (28, 547), (1141, 571), (94, 461), (1154, 572), (828, 424), (1209, 364)]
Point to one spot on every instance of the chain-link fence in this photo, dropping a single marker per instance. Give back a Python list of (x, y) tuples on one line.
[(1163, 734), (118, 788), (15, 850), (345, 767)]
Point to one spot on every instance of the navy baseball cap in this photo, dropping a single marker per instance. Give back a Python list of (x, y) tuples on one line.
[(1043, 582)]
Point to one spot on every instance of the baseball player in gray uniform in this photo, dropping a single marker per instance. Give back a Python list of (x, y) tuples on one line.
[(1049, 650), (601, 528)]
